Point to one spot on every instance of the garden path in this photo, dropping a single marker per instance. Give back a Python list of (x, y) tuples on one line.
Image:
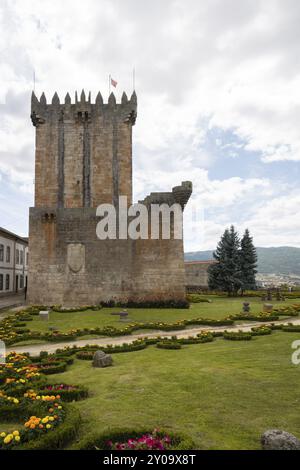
[(35, 349)]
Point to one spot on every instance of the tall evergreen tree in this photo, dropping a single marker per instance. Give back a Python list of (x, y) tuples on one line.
[(248, 261), (226, 273)]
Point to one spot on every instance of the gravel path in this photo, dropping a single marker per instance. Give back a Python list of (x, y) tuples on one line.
[(51, 347)]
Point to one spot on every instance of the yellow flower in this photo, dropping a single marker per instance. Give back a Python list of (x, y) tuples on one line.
[(3, 434), (48, 426), (8, 439), (16, 433), (45, 420), (17, 438), (51, 418), (16, 401)]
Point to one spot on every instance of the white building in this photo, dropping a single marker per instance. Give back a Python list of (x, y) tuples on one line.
[(13, 263)]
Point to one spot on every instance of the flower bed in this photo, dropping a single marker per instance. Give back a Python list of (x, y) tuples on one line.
[(51, 367), (66, 392), (47, 423), (135, 439)]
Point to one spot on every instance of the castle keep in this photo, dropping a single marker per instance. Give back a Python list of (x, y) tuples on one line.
[(83, 158)]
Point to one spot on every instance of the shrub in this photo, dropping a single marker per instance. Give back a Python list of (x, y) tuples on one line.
[(261, 331), (237, 335), (168, 344), (262, 317), (291, 328), (209, 322)]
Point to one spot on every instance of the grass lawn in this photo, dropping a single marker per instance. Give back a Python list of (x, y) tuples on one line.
[(223, 394), (219, 308)]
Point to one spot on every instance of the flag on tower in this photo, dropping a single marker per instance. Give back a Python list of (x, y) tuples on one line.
[(113, 82)]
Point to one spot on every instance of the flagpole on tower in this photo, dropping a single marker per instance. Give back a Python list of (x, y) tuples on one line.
[(109, 82), (133, 79)]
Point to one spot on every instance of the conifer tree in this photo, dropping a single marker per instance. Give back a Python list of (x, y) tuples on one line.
[(248, 261), (226, 273)]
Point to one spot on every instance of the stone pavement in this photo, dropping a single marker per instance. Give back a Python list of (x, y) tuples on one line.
[(50, 347), (11, 301)]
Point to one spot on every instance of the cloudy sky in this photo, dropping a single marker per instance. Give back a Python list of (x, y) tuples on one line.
[(218, 85)]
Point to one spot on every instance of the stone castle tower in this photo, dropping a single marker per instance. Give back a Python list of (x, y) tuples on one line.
[(83, 158)]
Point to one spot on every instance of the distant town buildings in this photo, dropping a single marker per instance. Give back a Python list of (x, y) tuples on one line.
[(13, 262), (266, 281)]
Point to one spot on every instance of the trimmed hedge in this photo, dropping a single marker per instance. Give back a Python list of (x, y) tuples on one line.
[(291, 328), (168, 344), (51, 367), (258, 318), (237, 336), (261, 331), (99, 441)]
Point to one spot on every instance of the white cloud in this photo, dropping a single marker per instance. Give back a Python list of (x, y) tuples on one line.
[(199, 65)]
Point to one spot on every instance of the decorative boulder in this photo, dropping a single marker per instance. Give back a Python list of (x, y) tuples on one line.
[(101, 359), (274, 439)]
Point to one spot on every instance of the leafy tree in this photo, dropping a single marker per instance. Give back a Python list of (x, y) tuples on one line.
[(226, 273), (248, 262)]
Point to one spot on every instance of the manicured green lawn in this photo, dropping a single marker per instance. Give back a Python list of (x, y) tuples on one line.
[(223, 394), (217, 309)]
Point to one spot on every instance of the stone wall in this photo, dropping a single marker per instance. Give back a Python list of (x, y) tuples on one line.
[(196, 275), (69, 265), (83, 159)]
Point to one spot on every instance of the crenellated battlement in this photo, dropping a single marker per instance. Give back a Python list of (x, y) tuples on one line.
[(41, 111), (180, 195)]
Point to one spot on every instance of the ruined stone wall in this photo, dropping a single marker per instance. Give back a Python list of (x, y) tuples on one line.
[(70, 266), (196, 275)]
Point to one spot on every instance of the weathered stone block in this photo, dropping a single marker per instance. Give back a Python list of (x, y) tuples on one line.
[(101, 359), (275, 439)]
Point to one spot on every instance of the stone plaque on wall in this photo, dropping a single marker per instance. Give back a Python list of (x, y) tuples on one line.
[(76, 257)]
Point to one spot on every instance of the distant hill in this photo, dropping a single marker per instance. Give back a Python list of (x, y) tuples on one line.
[(275, 260)]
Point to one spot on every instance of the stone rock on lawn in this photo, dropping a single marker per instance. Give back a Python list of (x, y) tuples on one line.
[(274, 439), (101, 359)]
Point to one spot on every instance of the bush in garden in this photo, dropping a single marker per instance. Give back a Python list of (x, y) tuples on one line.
[(237, 335), (168, 344)]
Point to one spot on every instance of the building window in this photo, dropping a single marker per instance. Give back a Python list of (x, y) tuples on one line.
[(7, 282), (21, 281), (1, 252), (1, 281), (8, 254), (27, 258), (21, 257), (17, 257)]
